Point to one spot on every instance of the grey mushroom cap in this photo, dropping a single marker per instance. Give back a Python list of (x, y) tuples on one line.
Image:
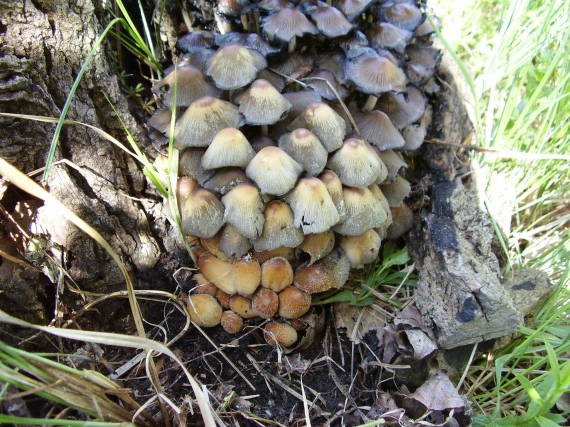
[(190, 164), (228, 148), (377, 128), (394, 163), (262, 104), (403, 108), (233, 66), (279, 229), (354, 8), (274, 171), (188, 83), (324, 122), (249, 40), (232, 243), (330, 21), (421, 63), (396, 191), (303, 146), (415, 133), (374, 74), (202, 214), (195, 40), (223, 180), (286, 24), (325, 83), (386, 35), (363, 212), (244, 210), (405, 15)]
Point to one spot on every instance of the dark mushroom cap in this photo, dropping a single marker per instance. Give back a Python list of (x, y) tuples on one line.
[(286, 24), (250, 40), (233, 66), (324, 82), (353, 8), (403, 108), (223, 180), (195, 40)]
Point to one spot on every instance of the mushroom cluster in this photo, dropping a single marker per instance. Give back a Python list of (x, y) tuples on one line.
[(292, 125)]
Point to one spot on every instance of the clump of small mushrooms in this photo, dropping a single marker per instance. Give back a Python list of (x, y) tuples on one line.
[(293, 123)]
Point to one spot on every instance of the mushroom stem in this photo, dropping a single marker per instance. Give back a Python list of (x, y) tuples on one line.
[(244, 22), (370, 103), (292, 44), (256, 20), (223, 24), (231, 94), (264, 130)]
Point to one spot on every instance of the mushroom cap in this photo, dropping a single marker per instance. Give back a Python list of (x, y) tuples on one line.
[(421, 63), (279, 228), (274, 5), (286, 24), (377, 128), (353, 40), (274, 171), (375, 74), (228, 148), (353, 8), (415, 133), (247, 275), (202, 214), (265, 303), (396, 191), (223, 180), (276, 274), (403, 108), (301, 99), (357, 164), (394, 163), (188, 83), (325, 123), (160, 120), (332, 62), (223, 298), (293, 302), (334, 187), (242, 306), (312, 205), (202, 120), (386, 35), (282, 251), (363, 212), (361, 249), (402, 14), (262, 104), (330, 21), (204, 310), (324, 87), (249, 40), (190, 164), (233, 66), (196, 39), (276, 333), (231, 322), (239, 276), (316, 246), (233, 244), (198, 58), (303, 146), (203, 286), (402, 221), (330, 272), (244, 210), (261, 142), (212, 245)]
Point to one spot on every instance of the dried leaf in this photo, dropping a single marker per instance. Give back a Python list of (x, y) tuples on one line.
[(438, 393), (359, 321), (421, 343)]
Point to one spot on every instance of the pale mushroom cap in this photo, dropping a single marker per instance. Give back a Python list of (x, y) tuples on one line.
[(330, 272), (421, 63), (274, 171), (232, 243), (233, 66), (276, 274), (377, 128), (286, 24), (357, 164), (228, 148), (415, 133), (334, 187), (262, 104), (326, 124), (204, 310), (231, 322), (202, 120), (316, 246), (242, 306), (312, 205), (396, 191), (303, 146), (276, 333), (362, 249), (202, 214), (301, 99), (293, 302), (393, 162), (402, 221), (189, 83), (330, 21), (375, 75), (265, 303), (386, 35), (363, 212), (279, 228), (244, 210)]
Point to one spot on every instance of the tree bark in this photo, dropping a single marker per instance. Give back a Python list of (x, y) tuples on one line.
[(43, 45)]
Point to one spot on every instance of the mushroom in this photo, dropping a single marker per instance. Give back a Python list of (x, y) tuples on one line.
[(281, 251), (265, 303), (202, 213), (402, 14), (334, 187), (238, 276), (223, 298), (190, 164), (232, 243), (160, 120), (330, 272), (322, 81), (249, 40), (330, 21), (276, 333), (204, 310), (316, 246), (244, 210), (353, 8), (194, 40), (233, 66), (261, 142), (357, 164), (203, 286), (421, 63), (198, 58), (228, 148), (188, 83), (394, 163), (396, 191), (353, 40), (278, 228), (382, 230), (231, 322), (286, 25), (403, 108), (402, 221), (312, 205), (415, 133), (293, 302), (332, 62), (377, 128), (212, 245), (202, 120), (325, 123), (262, 104), (276, 274), (223, 180), (386, 35), (242, 306), (274, 171), (361, 249), (301, 99), (363, 212), (303, 146)]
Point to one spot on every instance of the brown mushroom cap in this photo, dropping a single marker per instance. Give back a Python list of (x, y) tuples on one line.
[(403, 108), (361, 249), (377, 128), (276, 274), (287, 24), (316, 246), (242, 306), (203, 286), (279, 228), (402, 221), (334, 187), (228, 148), (204, 310), (330, 21), (325, 123), (396, 191), (276, 333), (202, 120), (262, 104), (202, 214), (212, 245), (330, 272), (223, 298), (233, 66), (282, 251), (363, 212), (353, 8), (239, 276), (304, 147), (265, 303), (231, 322), (357, 164), (274, 171), (312, 205), (374, 74), (293, 302), (402, 14), (244, 210), (247, 275), (386, 35), (189, 84)]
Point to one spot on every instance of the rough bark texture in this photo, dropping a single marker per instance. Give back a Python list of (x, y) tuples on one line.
[(460, 289), (43, 45)]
